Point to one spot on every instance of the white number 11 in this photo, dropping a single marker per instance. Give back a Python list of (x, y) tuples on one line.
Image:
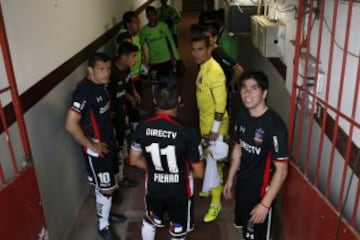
[(169, 152)]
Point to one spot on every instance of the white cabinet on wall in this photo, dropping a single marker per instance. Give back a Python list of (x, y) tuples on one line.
[(267, 36)]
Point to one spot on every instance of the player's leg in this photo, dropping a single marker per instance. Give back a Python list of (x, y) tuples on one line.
[(101, 174), (216, 193), (180, 218), (154, 211)]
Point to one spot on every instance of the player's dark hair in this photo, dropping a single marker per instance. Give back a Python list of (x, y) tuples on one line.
[(201, 37), (220, 14), (125, 48), (127, 18), (166, 96), (123, 37), (97, 57), (260, 77), (210, 28), (150, 9)]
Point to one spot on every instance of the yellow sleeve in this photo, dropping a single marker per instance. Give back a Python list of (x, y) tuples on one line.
[(217, 85)]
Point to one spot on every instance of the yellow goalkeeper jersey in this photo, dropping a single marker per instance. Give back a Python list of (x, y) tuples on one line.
[(211, 95)]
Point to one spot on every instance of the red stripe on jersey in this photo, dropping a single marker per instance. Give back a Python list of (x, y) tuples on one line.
[(95, 125), (280, 160), (266, 179), (165, 117), (188, 176), (75, 111)]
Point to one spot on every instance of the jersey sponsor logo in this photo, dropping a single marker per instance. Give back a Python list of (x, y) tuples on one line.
[(276, 144), (105, 108), (249, 148), (120, 94), (259, 136), (166, 177), (160, 133)]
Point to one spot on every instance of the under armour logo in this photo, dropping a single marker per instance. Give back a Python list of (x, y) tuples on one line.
[(242, 129), (99, 99)]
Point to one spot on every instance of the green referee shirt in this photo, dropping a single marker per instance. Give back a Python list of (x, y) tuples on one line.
[(157, 39)]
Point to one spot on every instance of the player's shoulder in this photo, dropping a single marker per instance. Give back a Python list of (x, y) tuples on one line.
[(275, 119), (241, 115), (84, 87)]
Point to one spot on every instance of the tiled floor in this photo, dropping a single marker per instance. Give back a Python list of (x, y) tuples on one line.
[(85, 227)]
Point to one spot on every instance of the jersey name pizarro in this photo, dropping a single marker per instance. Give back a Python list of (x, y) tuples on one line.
[(118, 85), (169, 148), (263, 140), (91, 101)]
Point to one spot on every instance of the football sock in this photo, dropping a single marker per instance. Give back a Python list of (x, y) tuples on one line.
[(103, 207), (148, 230)]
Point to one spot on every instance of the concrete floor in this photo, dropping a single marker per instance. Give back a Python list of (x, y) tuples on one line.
[(132, 206)]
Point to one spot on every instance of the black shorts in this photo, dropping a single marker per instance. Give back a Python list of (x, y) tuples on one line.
[(179, 212), (101, 170), (245, 200)]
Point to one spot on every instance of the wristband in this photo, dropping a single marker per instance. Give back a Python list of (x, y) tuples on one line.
[(216, 126), (264, 206)]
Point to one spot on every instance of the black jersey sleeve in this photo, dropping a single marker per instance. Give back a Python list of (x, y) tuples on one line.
[(80, 101), (136, 141), (193, 150), (224, 59), (279, 142)]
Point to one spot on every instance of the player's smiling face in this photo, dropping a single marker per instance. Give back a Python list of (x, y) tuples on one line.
[(252, 95), (100, 73)]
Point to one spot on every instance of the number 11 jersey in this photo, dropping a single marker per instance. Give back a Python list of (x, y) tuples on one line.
[(169, 149)]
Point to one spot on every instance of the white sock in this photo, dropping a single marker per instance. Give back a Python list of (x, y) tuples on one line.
[(175, 238), (148, 230), (103, 207)]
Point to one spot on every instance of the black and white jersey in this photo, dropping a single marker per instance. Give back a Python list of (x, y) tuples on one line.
[(169, 148), (91, 101), (263, 140), (119, 81), (227, 64)]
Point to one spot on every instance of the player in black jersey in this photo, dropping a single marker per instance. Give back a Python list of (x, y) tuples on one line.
[(88, 121), (120, 89), (259, 158), (168, 151)]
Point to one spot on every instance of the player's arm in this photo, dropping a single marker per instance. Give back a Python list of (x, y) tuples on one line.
[(234, 167), (219, 96), (198, 169), (260, 211), (280, 156), (237, 70), (174, 50), (73, 126), (136, 159)]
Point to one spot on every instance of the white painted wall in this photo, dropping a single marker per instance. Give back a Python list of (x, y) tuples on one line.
[(42, 35), (279, 95), (45, 33)]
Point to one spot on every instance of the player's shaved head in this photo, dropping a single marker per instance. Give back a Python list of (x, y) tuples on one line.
[(166, 97)]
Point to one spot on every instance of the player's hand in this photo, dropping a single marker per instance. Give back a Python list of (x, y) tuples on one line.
[(99, 147), (258, 214), (227, 192), (132, 102), (213, 136), (137, 97)]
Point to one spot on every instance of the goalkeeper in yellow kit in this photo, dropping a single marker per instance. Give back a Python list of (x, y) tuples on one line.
[(211, 98)]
